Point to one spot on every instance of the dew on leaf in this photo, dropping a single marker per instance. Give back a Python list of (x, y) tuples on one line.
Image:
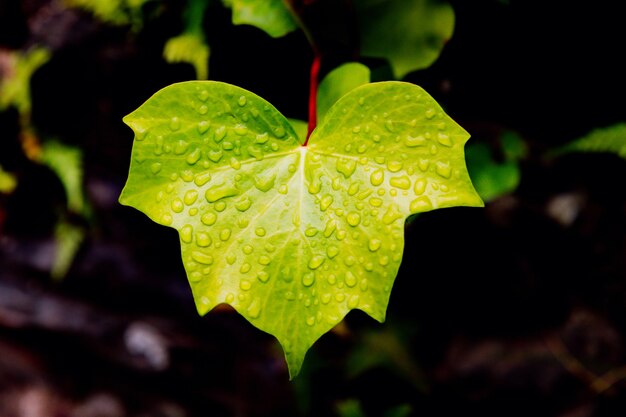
[(203, 239), (201, 179), (310, 231), (422, 203), (195, 276), (181, 147), (217, 192), (420, 186), (190, 197), (374, 244), (247, 249), (377, 177), (444, 139), (325, 202), (402, 182), (243, 204), (203, 126), (376, 202), (416, 141), (430, 113), (346, 166), (443, 169), (391, 215), (263, 276), (202, 258), (240, 129), (310, 321), (340, 297), (353, 188), (353, 218), (209, 218), (283, 189), (264, 260), (330, 227), (394, 166), (219, 134), (174, 124), (363, 285), (383, 260), (194, 156), (325, 298), (231, 258), (177, 205), (353, 301), (155, 168), (341, 235), (316, 261), (245, 268), (230, 297), (242, 101), (261, 138), (225, 234), (186, 233), (215, 156), (308, 279), (260, 231)]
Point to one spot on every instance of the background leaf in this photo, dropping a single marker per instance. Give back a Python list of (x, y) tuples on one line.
[(409, 34), (271, 16), (293, 237), (337, 83), (610, 139)]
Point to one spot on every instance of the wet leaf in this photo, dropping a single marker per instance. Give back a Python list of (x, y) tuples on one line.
[(293, 237)]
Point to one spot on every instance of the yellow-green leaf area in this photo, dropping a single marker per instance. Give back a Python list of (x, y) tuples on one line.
[(293, 237)]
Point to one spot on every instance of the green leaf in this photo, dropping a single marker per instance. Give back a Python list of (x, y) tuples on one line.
[(15, 85), (409, 34), (8, 182), (491, 177), (67, 163), (610, 139), (189, 48), (293, 237), (271, 16), (67, 238), (117, 12), (337, 83)]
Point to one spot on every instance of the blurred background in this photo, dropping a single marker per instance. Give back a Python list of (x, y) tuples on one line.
[(515, 309)]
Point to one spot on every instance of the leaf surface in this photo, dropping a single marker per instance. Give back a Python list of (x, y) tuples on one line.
[(293, 237)]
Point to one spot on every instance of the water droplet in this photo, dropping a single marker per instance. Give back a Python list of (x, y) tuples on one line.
[(195, 276), (202, 179), (193, 211), (190, 197), (215, 156), (376, 202), (330, 227), (444, 139), (353, 218), (264, 184), (443, 169), (261, 138), (230, 297), (155, 168), (325, 202), (325, 298), (203, 126), (420, 186), (350, 279), (389, 125), (353, 301), (332, 251), (245, 268), (235, 163), (356, 129), (377, 177), (346, 166), (264, 260), (394, 166), (240, 129), (247, 249), (203, 95), (225, 234), (363, 284), (383, 260), (374, 244), (341, 235), (283, 189), (316, 261), (310, 231), (254, 309), (209, 218), (203, 239), (310, 321), (263, 276), (308, 279), (260, 231), (413, 142), (391, 215), (279, 132), (353, 188), (186, 233), (174, 124), (242, 101), (181, 147), (245, 285), (403, 182), (243, 204), (290, 296), (231, 258), (430, 113), (202, 258), (217, 192), (177, 205), (340, 297), (219, 134), (420, 204), (194, 156), (220, 206)]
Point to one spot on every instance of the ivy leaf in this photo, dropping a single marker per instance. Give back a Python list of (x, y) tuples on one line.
[(293, 237), (409, 34), (271, 16)]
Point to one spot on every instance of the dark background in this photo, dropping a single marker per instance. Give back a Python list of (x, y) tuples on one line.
[(508, 310)]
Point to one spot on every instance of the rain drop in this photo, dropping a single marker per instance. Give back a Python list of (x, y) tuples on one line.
[(377, 177), (209, 218), (402, 182), (177, 205), (203, 240), (374, 244), (202, 258), (353, 218), (190, 197), (316, 261), (186, 233), (308, 279)]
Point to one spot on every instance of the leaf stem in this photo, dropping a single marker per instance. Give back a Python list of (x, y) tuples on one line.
[(313, 84)]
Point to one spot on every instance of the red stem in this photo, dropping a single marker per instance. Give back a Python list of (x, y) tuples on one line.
[(313, 84)]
